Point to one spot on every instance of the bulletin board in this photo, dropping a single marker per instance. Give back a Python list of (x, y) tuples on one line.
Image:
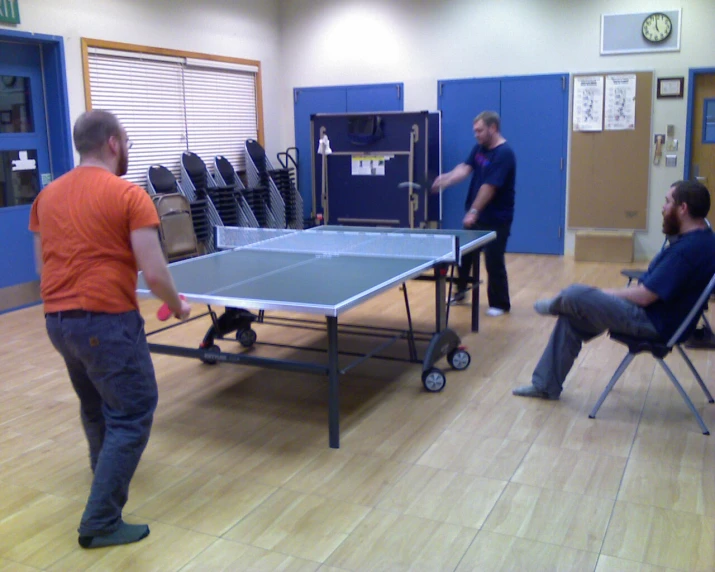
[(609, 167)]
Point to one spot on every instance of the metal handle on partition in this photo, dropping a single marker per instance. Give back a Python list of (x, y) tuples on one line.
[(414, 136)]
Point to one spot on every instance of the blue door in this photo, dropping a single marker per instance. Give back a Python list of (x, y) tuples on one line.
[(24, 156), (362, 98), (534, 120), (534, 113), (340, 99), (460, 101)]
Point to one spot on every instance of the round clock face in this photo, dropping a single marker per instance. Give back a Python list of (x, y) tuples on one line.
[(657, 27)]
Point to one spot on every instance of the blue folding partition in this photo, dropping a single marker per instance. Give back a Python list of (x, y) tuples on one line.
[(378, 170)]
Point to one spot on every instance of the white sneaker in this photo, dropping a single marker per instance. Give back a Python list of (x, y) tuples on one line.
[(495, 312)]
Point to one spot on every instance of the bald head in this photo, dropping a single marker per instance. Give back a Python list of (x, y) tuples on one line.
[(92, 131)]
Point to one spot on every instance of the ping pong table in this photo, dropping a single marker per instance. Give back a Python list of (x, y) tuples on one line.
[(326, 271)]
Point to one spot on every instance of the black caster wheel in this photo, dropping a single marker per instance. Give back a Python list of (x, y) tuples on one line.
[(214, 349), (459, 359), (246, 337), (434, 380)]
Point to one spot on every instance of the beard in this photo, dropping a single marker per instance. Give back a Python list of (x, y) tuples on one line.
[(671, 225), (122, 163)]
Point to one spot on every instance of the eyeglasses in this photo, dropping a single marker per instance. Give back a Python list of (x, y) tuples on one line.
[(130, 144)]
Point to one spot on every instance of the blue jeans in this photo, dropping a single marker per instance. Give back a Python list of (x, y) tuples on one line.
[(584, 313), (110, 367)]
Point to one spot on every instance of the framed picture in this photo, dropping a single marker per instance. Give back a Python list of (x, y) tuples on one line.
[(670, 87)]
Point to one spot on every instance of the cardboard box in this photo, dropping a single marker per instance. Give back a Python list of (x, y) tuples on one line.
[(604, 246)]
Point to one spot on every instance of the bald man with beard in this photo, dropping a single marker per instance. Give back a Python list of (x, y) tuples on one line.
[(93, 232)]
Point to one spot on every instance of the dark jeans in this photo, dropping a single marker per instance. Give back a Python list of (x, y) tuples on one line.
[(584, 313), (497, 280), (110, 367)]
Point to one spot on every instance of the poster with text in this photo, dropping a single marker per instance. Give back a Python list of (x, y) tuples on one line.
[(588, 103), (371, 165), (620, 102)]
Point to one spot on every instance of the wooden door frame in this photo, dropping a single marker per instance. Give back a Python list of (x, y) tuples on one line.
[(692, 76)]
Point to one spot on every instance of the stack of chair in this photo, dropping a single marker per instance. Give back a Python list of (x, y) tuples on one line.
[(284, 183), (284, 204), (230, 188), (196, 182)]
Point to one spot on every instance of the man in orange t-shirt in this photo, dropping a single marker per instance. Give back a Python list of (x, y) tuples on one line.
[(93, 232)]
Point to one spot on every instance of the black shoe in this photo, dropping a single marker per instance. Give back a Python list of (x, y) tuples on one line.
[(458, 298)]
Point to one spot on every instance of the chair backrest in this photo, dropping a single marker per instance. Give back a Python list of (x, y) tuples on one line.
[(257, 153), (162, 180), (225, 169), (178, 237), (196, 169), (690, 320)]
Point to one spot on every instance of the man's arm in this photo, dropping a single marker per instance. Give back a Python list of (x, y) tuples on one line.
[(456, 175), (38, 253), (484, 195), (639, 295), (150, 259)]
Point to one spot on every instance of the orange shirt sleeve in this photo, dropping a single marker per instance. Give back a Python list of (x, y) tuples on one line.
[(141, 210), (34, 218)]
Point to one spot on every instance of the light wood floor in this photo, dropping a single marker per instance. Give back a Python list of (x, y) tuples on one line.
[(238, 474)]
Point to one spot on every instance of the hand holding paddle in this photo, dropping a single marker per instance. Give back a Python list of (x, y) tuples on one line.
[(164, 313)]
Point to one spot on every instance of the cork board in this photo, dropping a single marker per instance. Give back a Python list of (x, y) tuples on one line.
[(609, 170)]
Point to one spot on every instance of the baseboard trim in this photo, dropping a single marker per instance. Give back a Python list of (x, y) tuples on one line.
[(19, 296)]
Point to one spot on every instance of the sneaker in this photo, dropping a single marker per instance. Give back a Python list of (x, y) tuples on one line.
[(543, 307), (531, 391), (495, 312)]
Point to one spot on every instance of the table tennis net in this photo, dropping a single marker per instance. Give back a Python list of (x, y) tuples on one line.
[(345, 242)]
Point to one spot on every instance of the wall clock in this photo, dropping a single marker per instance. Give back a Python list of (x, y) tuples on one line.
[(657, 27)]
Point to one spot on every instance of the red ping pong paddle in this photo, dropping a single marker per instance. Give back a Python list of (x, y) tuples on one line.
[(164, 313)]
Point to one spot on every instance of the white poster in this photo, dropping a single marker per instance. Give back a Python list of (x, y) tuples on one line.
[(371, 165), (588, 103), (620, 102)]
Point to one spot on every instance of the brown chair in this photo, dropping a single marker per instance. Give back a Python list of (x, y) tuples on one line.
[(178, 238)]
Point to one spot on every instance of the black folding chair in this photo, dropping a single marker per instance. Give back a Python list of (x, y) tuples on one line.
[(659, 350)]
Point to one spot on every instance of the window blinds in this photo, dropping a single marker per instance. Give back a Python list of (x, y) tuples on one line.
[(220, 113), (168, 106)]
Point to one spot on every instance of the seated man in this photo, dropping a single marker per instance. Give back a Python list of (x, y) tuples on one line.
[(654, 308)]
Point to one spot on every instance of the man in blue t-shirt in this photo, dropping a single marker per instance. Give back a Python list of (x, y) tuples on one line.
[(653, 309), (489, 205)]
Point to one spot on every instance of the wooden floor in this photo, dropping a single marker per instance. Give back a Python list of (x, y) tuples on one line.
[(238, 474)]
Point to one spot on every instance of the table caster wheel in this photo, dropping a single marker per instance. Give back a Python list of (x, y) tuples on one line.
[(214, 349), (434, 380), (246, 337), (459, 359)]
